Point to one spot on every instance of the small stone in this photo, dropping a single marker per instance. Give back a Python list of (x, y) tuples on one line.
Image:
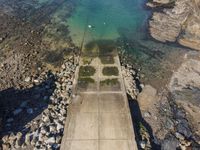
[(169, 124), (17, 111), (12, 138), (10, 120), (33, 141), (59, 126), (56, 146), (170, 143), (147, 114), (27, 79), (184, 129), (19, 135), (63, 66), (52, 129), (63, 111), (8, 125), (5, 139), (142, 86), (5, 146), (179, 136), (43, 130), (24, 104), (41, 137), (45, 98), (58, 139), (30, 111), (142, 144), (36, 81), (51, 140)]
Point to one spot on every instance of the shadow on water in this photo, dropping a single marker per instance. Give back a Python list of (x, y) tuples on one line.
[(137, 120), (19, 107)]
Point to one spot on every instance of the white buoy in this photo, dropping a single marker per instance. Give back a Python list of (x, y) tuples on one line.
[(89, 26), (104, 23)]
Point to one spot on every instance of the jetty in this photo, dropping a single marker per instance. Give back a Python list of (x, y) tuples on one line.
[(99, 116)]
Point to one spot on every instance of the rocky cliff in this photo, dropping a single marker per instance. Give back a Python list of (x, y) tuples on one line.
[(178, 21)]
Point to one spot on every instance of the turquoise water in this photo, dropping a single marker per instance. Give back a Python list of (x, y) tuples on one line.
[(126, 21), (106, 19)]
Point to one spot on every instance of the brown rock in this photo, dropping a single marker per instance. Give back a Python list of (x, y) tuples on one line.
[(147, 97), (180, 24)]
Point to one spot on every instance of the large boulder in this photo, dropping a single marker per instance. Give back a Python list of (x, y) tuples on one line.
[(147, 98), (178, 24)]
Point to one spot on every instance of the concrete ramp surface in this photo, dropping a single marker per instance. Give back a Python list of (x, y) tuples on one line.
[(99, 116)]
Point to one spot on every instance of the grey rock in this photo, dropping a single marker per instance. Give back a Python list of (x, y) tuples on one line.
[(10, 120), (58, 139), (27, 79), (169, 124), (17, 111), (59, 126), (27, 138), (147, 114), (51, 140), (52, 129), (41, 137), (169, 143), (36, 81), (179, 136), (46, 119), (142, 144), (5, 139), (37, 96), (6, 146), (19, 135), (63, 111), (56, 146), (24, 104), (30, 111), (184, 129), (44, 130)]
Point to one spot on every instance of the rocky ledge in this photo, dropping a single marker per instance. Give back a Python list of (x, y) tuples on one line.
[(176, 21)]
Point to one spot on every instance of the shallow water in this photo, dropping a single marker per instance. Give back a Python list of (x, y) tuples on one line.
[(106, 19), (126, 21)]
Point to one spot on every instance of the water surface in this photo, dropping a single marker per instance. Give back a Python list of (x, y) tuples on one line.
[(106, 19)]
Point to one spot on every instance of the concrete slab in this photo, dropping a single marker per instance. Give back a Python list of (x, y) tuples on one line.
[(112, 102), (82, 126), (85, 103), (81, 145), (115, 145), (113, 126)]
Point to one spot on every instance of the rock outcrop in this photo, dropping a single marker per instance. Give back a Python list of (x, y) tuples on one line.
[(179, 21), (185, 88)]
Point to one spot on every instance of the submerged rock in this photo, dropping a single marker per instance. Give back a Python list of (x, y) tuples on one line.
[(17, 111)]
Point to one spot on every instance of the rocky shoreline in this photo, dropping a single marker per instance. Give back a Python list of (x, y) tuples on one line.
[(165, 119), (37, 65), (46, 130), (178, 23)]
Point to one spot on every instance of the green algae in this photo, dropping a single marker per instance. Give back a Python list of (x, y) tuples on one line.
[(109, 82), (110, 71), (85, 71)]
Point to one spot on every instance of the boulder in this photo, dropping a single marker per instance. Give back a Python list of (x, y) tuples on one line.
[(147, 97)]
